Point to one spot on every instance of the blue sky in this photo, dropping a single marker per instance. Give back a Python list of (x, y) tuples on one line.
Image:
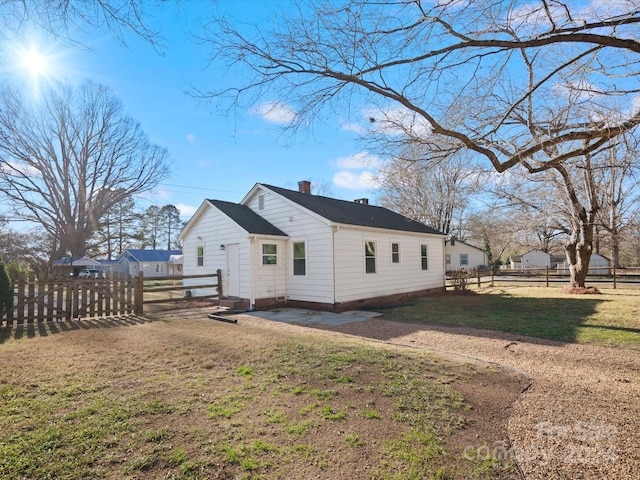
[(213, 155)]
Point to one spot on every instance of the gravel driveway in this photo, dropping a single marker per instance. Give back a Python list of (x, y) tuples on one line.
[(579, 419)]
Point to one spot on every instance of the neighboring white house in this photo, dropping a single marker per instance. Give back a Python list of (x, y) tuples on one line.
[(282, 246), (459, 255), (598, 265), (531, 259), (152, 263)]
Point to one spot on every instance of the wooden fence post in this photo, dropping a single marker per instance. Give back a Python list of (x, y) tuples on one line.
[(492, 277), (547, 274), (478, 278), (219, 288), (614, 277), (140, 294)]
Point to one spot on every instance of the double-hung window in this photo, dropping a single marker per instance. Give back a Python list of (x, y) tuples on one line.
[(464, 259), (269, 254), (299, 258), (370, 256), (424, 257), (395, 253), (200, 256)]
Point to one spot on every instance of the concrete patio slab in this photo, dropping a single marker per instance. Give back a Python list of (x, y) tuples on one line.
[(314, 317)]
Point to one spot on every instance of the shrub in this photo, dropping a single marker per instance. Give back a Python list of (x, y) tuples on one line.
[(459, 279)]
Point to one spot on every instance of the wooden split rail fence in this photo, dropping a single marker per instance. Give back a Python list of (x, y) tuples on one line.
[(59, 299)]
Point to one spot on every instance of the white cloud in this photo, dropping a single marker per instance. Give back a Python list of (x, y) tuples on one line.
[(191, 138), (16, 168), (186, 211), (358, 160), (157, 194), (355, 180), (397, 121), (353, 127), (274, 112)]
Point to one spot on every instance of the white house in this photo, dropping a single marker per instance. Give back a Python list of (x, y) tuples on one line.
[(152, 263), (598, 265), (280, 246), (531, 259), (459, 255)]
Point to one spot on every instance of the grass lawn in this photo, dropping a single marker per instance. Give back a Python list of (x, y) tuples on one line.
[(196, 399), (612, 318)]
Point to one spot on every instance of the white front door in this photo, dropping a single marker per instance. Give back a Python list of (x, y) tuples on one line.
[(233, 270)]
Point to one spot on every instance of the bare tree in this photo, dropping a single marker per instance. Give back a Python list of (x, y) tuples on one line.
[(617, 180), (67, 159), (434, 194), (64, 16), (527, 75), (496, 232)]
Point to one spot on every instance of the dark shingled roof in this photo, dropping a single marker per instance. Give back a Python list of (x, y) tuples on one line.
[(247, 218), (352, 213)]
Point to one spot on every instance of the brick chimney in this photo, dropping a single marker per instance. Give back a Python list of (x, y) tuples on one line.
[(304, 186)]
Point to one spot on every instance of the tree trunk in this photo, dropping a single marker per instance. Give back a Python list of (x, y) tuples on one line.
[(578, 256), (580, 246)]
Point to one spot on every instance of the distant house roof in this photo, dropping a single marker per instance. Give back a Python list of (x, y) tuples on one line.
[(142, 255), (352, 213), (76, 262), (455, 240), (247, 218)]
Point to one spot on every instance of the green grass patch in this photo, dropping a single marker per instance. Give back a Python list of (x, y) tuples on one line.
[(612, 318)]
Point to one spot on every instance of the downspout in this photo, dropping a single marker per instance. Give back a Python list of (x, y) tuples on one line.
[(252, 295), (334, 229)]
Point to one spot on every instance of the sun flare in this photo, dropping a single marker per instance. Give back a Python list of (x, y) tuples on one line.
[(35, 62)]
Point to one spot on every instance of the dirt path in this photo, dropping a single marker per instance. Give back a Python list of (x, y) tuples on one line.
[(579, 419)]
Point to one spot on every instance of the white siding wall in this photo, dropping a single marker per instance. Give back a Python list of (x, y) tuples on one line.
[(352, 283), (269, 280), (476, 257), (317, 284), (536, 259), (215, 229)]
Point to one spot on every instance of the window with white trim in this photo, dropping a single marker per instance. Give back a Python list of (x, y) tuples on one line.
[(299, 258), (269, 254), (395, 253), (464, 259), (424, 257), (370, 256), (200, 256), (447, 259)]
